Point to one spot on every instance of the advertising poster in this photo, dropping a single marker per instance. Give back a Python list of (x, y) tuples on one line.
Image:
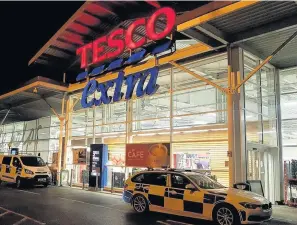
[(148, 155), (79, 156), (192, 161)]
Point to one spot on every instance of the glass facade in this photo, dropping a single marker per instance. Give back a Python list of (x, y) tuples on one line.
[(288, 89), (184, 112), (32, 137), (260, 103)]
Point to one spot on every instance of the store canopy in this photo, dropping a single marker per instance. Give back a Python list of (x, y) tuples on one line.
[(258, 28), (95, 19), (32, 100)]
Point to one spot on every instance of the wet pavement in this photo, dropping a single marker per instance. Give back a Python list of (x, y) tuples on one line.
[(65, 206)]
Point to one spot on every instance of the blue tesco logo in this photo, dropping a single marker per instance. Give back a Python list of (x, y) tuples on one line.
[(142, 88)]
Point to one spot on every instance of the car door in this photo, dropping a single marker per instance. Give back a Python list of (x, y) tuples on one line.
[(16, 168), (6, 169), (183, 201), (152, 186)]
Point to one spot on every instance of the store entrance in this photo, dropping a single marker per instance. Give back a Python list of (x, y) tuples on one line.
[(263, 165)]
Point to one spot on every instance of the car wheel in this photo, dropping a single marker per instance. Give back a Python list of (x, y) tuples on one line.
[(226, 215), (45, 185), (140, 204), (18, 182)]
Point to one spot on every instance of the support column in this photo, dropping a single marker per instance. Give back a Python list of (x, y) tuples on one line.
[(236, 131), (66, 139), (279, 136), (3, 120)]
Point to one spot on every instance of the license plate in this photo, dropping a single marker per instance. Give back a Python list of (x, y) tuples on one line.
[(42, 179)]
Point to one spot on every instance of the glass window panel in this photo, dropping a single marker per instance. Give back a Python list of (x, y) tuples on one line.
[(289, 132), (54, 145), (289, 153), (188, 102), (28, 146), (289, 106), (214, 69), (19, 126), (253, 127), (17, 136), (55, 121), (44, 155), (78, 132), (194, 120), (54, 132), (8, 137), (43, 145), (44, 122), (9, 128), (116, 113), (44, 133), (152, 124), (151, 107), (269, 131), (30, 125), (79, 119), (288, 80)]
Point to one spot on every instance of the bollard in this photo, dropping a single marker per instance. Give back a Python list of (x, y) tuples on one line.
[(112, 181), (71, 174), (97, 176)]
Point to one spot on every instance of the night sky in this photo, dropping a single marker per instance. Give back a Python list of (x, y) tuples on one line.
[(25, 28)]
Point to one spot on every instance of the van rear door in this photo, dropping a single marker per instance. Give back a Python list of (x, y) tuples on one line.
[(6, 169)]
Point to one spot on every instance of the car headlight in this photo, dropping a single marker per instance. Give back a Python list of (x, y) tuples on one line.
[(249, 205), (29, 172)]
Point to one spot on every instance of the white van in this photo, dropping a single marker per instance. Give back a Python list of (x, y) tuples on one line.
[(21, 169)]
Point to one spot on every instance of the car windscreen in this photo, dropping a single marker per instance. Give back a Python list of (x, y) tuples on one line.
[(205, 182), (33, 161)]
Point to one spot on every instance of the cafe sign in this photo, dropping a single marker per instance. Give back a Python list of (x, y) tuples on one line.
[(156, 155)]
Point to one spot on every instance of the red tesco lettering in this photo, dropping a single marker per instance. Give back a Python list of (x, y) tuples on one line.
[(121, 39)]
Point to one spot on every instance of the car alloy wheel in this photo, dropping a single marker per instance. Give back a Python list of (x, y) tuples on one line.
[(225, 216), (139, 204)]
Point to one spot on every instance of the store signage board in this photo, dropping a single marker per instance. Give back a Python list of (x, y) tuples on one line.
[(155, 155), (146, 80), (114, 39)]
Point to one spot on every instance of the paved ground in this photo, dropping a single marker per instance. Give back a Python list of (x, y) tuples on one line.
[(65, 206)]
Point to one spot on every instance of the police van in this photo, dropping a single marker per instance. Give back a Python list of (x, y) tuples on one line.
[(23, 169)]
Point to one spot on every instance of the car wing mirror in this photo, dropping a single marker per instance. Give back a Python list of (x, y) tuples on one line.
[(191, 187)]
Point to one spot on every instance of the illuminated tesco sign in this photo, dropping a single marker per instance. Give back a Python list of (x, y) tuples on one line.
[(120, 40)]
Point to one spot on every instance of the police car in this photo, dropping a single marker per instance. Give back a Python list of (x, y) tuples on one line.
[(192, 194)]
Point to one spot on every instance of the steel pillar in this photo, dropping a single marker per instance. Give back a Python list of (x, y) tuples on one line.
[(236, 123), (279, 136)]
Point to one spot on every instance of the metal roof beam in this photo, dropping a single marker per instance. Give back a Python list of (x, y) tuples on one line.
[(102, 19), (63, 50), (199, 36), (85, 36), (283, 24), (68, 42), (213, 32), (95, 30)]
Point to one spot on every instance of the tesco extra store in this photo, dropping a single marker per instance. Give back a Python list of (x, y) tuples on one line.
[(144, 82), (164, 107)]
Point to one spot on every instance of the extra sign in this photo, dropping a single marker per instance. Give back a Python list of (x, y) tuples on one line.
[(145, 82)]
